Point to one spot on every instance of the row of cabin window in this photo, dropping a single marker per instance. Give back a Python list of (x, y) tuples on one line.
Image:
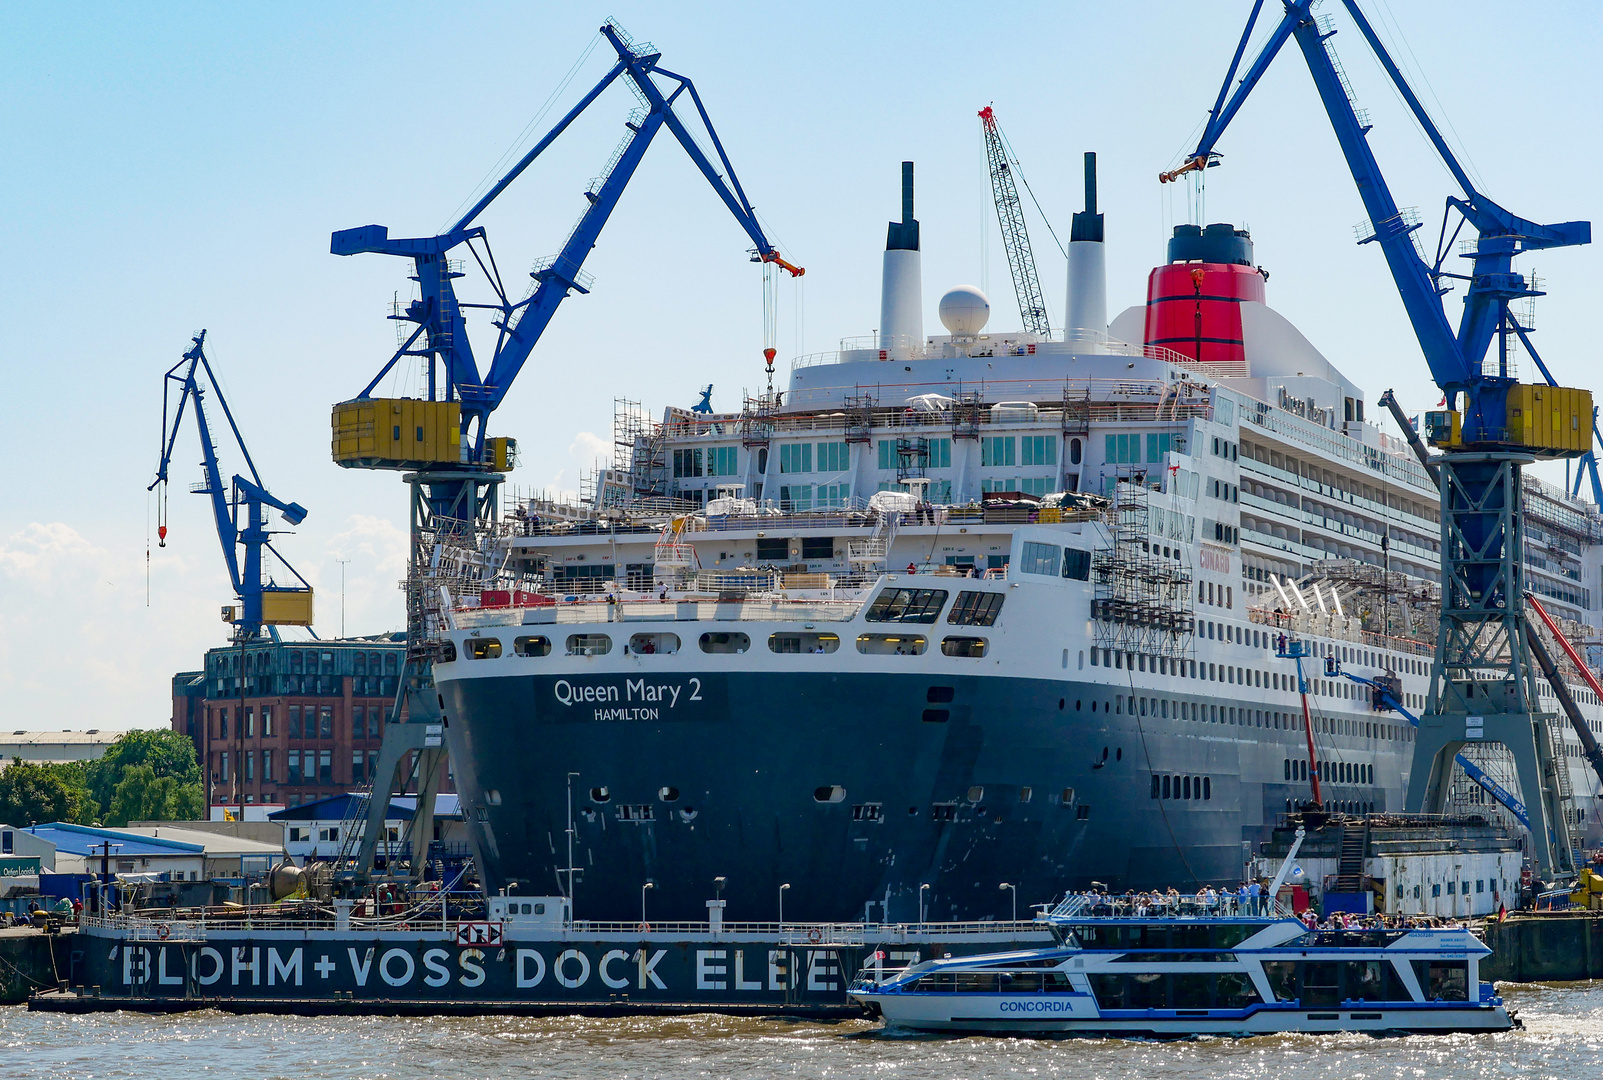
[(706, 461), (1001, 451), (1332, 772), (1182, 787), (796, 497), (918, 453), (833, 457), (1126, 449), (667, 644)]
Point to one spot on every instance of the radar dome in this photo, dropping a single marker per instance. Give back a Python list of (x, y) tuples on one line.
[(965, 311)]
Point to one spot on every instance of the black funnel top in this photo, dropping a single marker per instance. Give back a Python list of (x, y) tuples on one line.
[(1087, 225), (1218, 243), (903, 235)]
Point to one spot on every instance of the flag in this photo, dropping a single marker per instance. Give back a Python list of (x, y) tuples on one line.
[(1413, 422)]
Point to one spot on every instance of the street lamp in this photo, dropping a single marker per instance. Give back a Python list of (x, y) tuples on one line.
[(921, 890), (1014, 889), (647, 887), (782, 889)]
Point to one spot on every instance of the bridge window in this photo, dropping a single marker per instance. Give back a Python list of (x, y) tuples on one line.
[(907, 605)]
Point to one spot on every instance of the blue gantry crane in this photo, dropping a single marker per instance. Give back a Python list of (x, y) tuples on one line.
[(239, 508), (441, 441), (1483, 685)]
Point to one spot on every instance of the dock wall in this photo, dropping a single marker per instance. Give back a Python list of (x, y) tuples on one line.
[(29, 961), (1555, 947)]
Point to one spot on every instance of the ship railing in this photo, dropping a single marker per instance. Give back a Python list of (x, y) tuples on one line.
[(590, 610), (1297, 624)]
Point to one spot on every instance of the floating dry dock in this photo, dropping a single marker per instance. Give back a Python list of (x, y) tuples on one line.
[(522, 956)]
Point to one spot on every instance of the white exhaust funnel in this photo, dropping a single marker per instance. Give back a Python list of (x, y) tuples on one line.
[(901, 305), (1087, 307)]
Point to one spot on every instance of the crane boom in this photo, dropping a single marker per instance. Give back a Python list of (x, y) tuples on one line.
[(1456, 359), (442, 338), (1015, 234), (239, 510)]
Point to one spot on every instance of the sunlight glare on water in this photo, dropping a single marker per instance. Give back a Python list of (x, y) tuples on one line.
[(1563, 1037)]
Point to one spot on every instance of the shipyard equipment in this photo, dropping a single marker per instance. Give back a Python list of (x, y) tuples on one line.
[(441, 442), (1015, 235), (1483, 685), (239, 508)]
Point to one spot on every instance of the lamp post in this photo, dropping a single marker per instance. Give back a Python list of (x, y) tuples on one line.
[(921, 890), (647, 887), (1014, 889), (782, 889)]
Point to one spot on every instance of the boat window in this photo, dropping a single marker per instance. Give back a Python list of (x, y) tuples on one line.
[(963, 646), (891, 644), (976, 609), (650, 644), (832, 793), (724, 642), (532, 646), (1044, 559), (1174, 990), (803, 643), (483, 648), (1077, 564), (447, 652), (589, 644), (907, 605), (1442, 980)]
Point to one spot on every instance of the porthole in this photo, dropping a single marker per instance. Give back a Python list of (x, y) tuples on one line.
[(532, 646), (976, 793), (830, 793), (668, 794), (722, 642), (483, 648), (493, 797), (600, 795)]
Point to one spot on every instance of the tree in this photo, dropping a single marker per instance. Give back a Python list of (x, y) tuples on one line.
[(141, 795), (147, 757), (32, 793)]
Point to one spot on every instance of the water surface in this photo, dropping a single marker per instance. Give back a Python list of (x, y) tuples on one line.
[(1563, 1038)]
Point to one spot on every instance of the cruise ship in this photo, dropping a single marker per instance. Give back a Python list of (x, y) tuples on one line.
[(957, 616)]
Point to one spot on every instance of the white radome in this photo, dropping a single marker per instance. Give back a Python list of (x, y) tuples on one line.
[(965, 311)]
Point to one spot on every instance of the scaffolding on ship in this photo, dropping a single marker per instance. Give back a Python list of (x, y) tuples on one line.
[(1141, 601)]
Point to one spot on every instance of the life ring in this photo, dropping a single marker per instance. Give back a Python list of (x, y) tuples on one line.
[(162, 930), (645, 928), (815, 935)]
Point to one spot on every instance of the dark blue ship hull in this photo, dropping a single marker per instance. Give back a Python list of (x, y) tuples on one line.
[(853, 789)]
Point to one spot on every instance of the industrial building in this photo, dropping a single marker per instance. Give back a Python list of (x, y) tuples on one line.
[(304, 721)]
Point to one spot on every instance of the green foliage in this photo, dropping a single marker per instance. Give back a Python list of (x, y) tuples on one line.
[(141, 795), (34, 793), (147, 775), (167, 753), (143, 776)]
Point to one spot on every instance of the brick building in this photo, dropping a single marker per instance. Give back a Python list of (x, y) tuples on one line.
[(304, 721)]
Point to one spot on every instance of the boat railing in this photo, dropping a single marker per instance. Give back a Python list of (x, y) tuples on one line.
[(1078, 906)]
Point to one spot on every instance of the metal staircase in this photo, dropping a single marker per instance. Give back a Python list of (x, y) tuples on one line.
[(1350, 869)]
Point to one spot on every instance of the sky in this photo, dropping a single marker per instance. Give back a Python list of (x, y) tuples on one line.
[(180, 166)]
